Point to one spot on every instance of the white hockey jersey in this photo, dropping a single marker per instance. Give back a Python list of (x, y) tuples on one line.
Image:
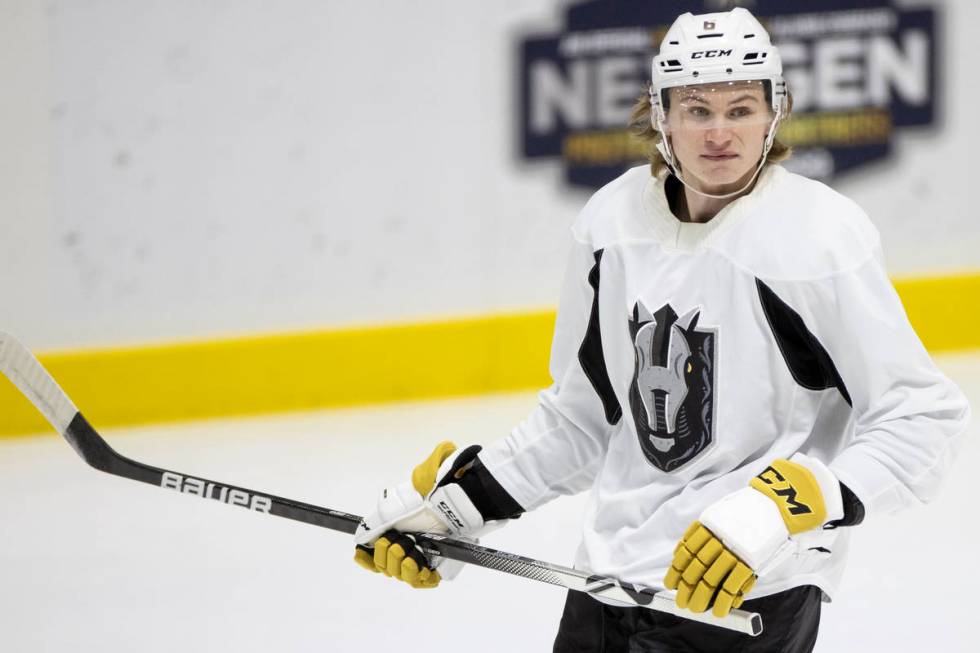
[(686, 357)]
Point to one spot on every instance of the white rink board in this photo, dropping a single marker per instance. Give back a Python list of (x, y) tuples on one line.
[(168, 167), (92, 562)]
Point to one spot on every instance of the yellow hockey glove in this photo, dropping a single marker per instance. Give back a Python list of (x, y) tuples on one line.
[(705, 572), (434, 501), (748, 533), (395, 554)]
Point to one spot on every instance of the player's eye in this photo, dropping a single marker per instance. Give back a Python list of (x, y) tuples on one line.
[(740, 112), (698, 111)]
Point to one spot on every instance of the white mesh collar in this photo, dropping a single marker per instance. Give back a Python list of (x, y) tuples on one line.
[(688, 236)]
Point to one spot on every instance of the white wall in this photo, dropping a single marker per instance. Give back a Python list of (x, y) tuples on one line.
[(920, 198), (25, 170), (184, 169)]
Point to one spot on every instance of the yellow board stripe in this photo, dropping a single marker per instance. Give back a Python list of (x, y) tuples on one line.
[(243, 376), (945, 311)]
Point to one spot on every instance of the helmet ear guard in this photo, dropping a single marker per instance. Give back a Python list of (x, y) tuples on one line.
[(658, 118)]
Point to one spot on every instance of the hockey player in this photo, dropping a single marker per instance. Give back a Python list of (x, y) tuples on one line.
[(735, 380)]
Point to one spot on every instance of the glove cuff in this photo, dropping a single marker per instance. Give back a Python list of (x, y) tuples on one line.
[(490, 498), (804, 490), (469, 500), (829, 485), (456, 510), (749, 524)]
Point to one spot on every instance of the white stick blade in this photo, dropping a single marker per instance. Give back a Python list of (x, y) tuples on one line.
[(24, 370)]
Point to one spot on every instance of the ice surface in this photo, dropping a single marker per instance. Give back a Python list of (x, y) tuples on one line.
[(91, 562)]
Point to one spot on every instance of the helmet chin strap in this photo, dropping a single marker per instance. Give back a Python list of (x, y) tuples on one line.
[(664, 147)]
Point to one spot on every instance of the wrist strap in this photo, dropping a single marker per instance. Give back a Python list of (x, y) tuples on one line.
[(853, 509)]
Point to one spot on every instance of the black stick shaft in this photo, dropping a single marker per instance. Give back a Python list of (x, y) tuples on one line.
[(97, 453), (26, 372)]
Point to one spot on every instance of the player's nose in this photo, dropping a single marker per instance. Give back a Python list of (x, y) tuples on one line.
[(717, 138)]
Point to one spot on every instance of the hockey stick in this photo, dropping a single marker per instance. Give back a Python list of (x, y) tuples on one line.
[(24, 370)]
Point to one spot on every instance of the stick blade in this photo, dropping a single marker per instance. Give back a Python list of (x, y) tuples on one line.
[(19, 365)]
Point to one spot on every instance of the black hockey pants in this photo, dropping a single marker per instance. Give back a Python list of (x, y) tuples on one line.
[(790, 620)]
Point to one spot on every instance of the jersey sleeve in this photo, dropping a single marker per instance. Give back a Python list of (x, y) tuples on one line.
[(559, 447), (909, 418)]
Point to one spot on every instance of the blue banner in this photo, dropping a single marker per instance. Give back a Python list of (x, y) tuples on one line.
[(857, 71)]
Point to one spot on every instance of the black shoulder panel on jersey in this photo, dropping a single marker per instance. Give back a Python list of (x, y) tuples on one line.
[(807, 360), (590, 353)]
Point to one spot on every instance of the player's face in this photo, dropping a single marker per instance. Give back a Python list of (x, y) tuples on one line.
[(718, 132)]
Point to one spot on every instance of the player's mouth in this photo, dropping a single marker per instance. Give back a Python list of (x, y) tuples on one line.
[(720, 156)]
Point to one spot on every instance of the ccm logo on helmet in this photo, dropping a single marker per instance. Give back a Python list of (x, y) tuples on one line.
[(708, 54)]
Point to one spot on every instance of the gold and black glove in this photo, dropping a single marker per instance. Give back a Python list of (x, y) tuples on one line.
[(749, 532), (449, 492)]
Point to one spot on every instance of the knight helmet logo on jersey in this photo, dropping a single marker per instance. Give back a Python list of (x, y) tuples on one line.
[(672, 392)]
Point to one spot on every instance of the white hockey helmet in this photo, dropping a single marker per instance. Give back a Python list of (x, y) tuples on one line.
[(723, 47)]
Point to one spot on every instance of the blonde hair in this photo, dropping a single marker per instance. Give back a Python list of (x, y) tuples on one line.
[(642, 128)]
